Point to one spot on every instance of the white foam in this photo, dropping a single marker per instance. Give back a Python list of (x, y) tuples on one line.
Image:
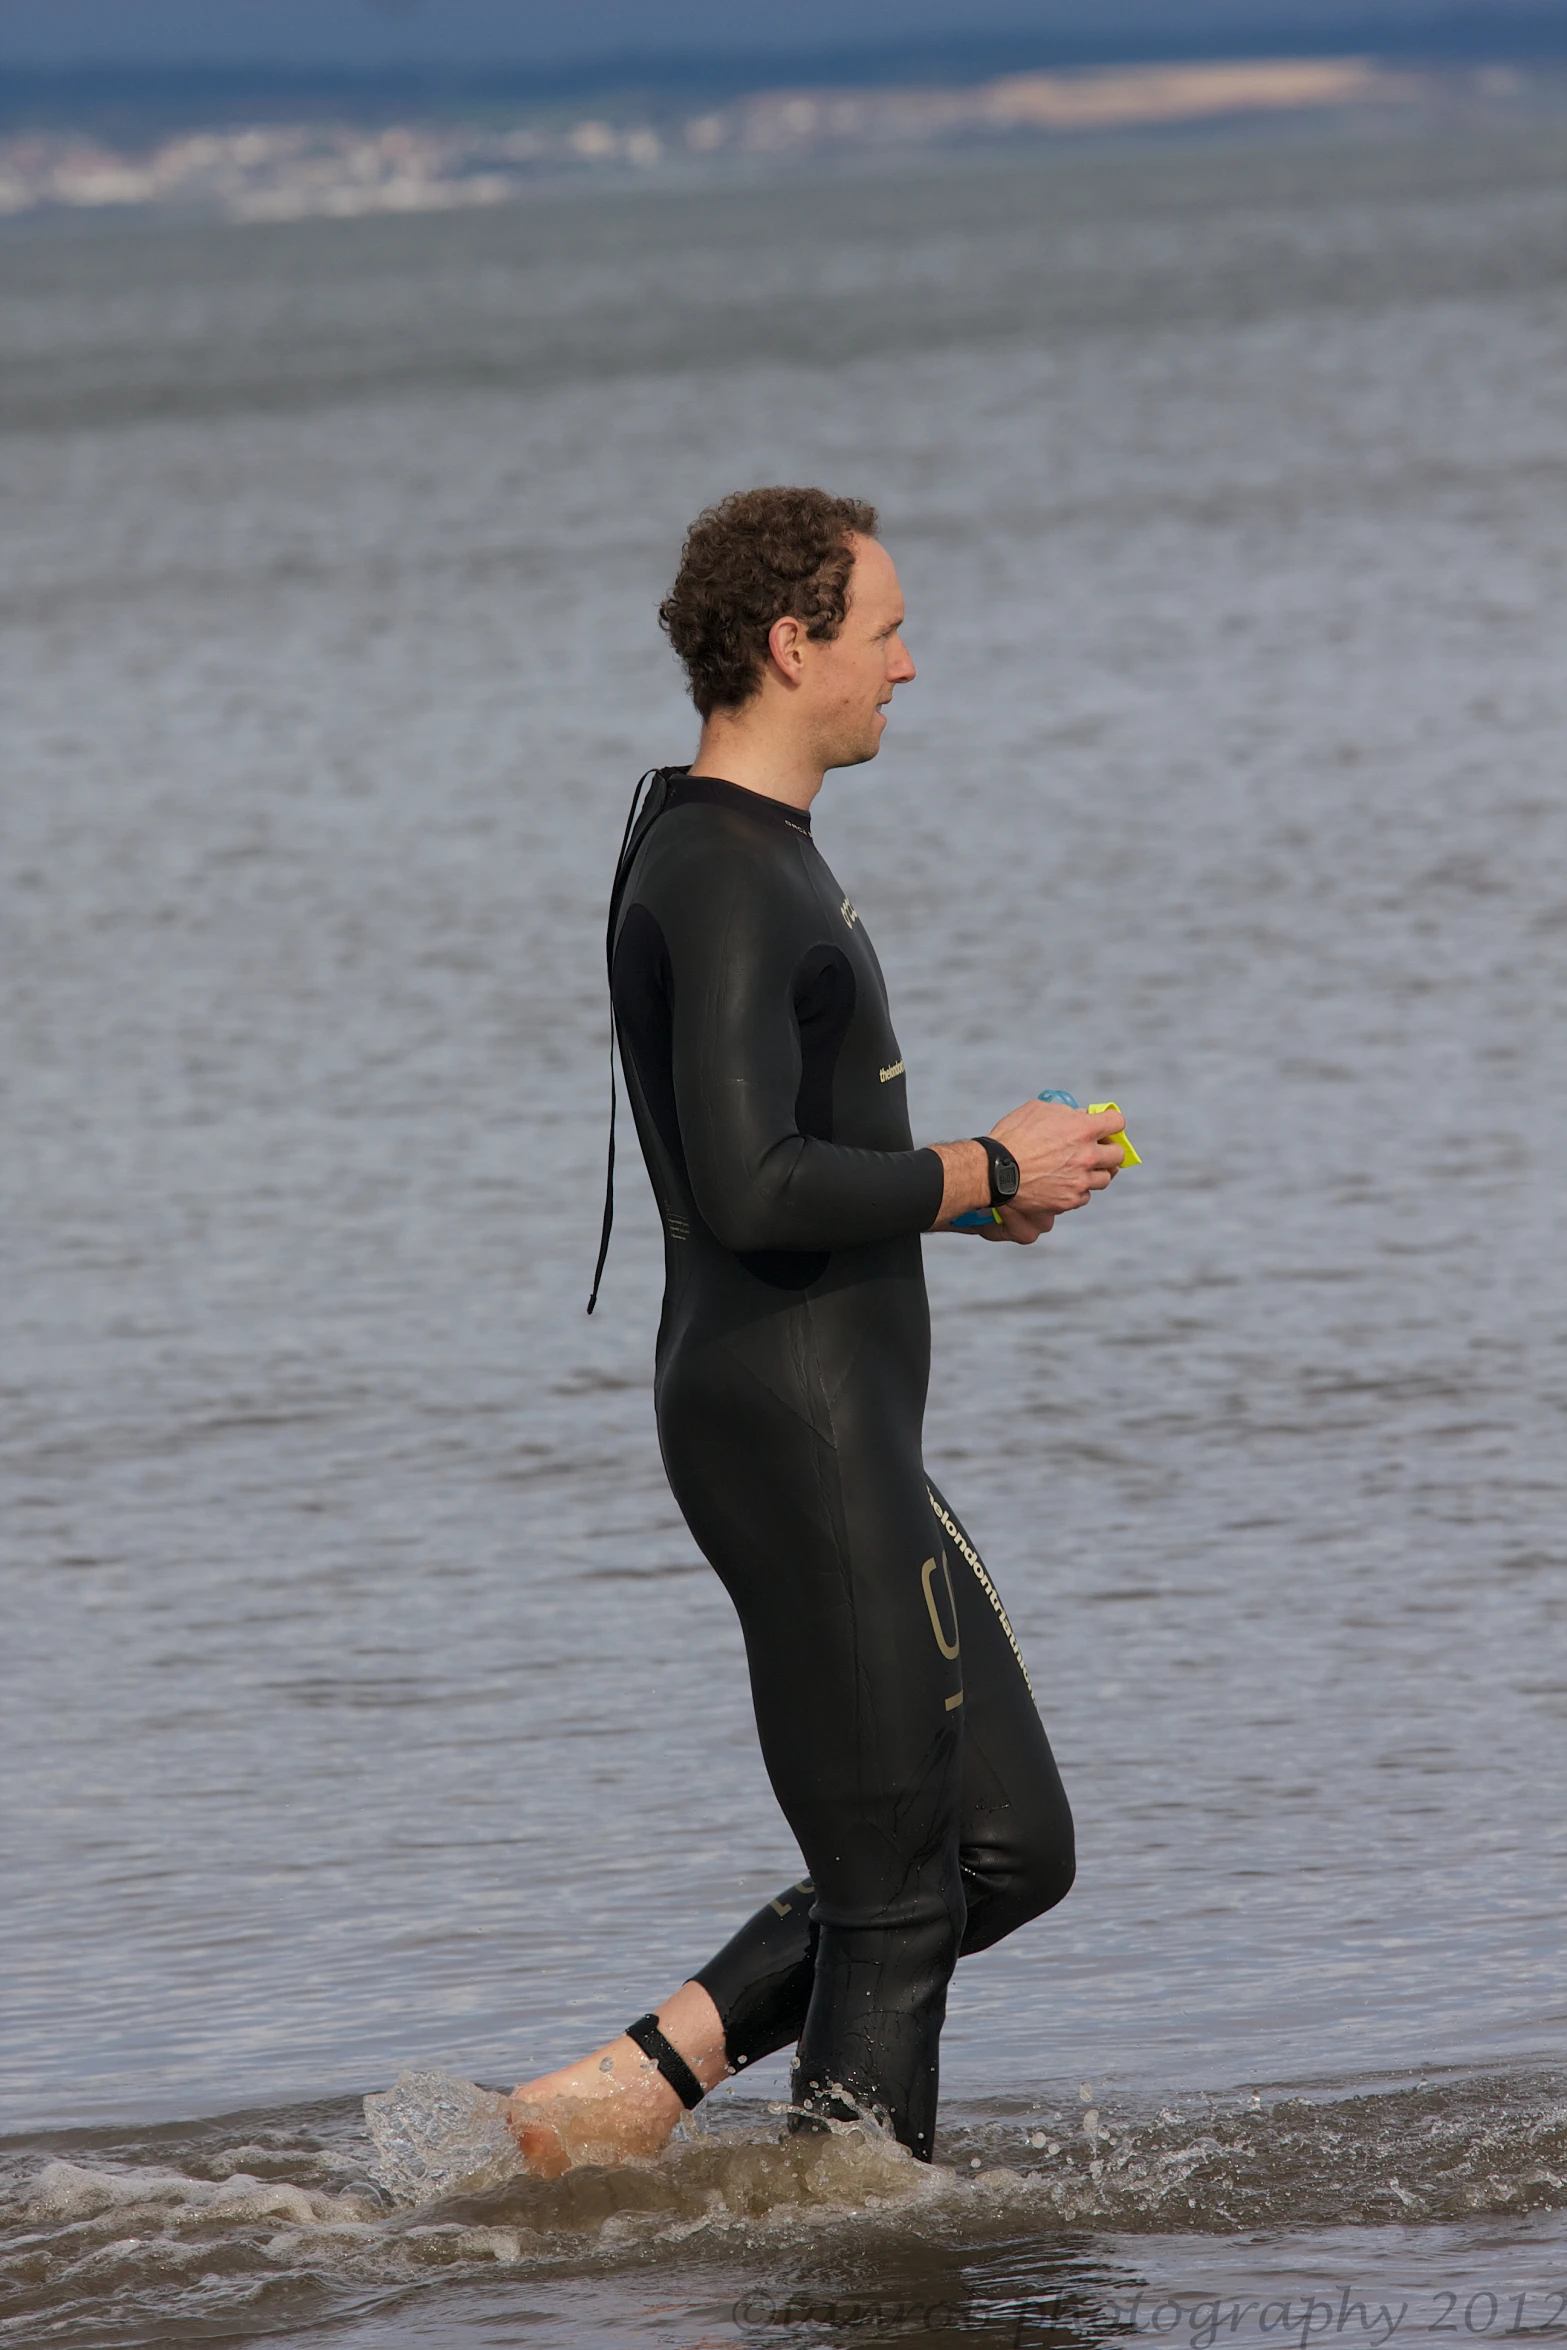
[(75, 2192)]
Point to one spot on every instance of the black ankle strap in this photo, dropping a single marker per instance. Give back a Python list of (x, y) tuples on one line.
[(668, 2059)]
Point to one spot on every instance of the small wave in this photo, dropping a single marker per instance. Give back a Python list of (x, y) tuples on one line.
[(77, 2195), (1445, 2150), (318, 2208)]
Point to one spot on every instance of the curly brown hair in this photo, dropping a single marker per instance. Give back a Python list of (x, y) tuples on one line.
[(756, 557)]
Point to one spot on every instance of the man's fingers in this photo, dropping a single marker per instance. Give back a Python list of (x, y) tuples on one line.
[(1064, 1157)]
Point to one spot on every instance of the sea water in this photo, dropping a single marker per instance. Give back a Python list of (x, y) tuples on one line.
[(369, 1710)]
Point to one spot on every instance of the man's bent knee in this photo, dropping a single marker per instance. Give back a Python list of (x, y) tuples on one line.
[(1008, 1884)]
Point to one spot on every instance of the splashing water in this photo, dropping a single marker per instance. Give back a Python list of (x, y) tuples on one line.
[(434, 2134), (102, 2234)]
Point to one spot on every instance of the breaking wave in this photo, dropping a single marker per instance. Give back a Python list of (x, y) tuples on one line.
[(275, 2214)]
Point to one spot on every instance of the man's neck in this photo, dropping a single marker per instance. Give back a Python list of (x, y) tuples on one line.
[(742, 749)]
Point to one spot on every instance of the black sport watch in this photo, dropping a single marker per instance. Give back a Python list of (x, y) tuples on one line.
[(1004, 1174)]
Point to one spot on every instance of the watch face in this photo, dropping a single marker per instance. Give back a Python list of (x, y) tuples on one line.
[(1007, 1177)]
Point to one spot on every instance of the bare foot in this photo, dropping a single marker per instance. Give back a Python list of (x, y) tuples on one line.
[(615, 2105), (611, 2105)]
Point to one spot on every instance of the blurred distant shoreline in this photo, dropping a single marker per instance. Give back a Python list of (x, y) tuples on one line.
[(216, 144)]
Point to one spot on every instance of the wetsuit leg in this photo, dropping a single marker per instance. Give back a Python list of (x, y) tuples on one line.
[(761, 1980), (1017, 1847), (1015, 1838), (827, 1547)]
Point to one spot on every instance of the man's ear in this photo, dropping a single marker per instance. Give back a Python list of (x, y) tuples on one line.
[(786, 643)]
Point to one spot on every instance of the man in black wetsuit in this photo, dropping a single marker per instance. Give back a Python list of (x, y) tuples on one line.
[(895, 1713)]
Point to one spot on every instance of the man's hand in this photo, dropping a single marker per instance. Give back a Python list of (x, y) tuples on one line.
[(1064, 1156), (1022, 1227)]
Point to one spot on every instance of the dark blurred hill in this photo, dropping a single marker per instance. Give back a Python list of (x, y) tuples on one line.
[(129, 101)]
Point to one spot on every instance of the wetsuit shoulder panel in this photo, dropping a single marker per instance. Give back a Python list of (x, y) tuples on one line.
[(642, 993), (740, 907)]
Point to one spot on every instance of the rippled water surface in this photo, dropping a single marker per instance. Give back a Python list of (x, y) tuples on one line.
[(367, 1704)]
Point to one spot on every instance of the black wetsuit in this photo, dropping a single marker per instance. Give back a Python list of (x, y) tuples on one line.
[(896, 1718)]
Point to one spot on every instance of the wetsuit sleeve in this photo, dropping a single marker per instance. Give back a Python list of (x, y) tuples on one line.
[(758, 1182)]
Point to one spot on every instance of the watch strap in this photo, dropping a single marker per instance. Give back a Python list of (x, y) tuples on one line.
[(999, 1156)]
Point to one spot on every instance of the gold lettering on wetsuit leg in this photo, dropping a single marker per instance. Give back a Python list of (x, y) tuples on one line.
[(850, 913), (896, 1070), (948, 1525), (927, 1573), (784, 1907)]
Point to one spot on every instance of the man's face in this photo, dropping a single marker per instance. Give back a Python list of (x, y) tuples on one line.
[(850, 679)]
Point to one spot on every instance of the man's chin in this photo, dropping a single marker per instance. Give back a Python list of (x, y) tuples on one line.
[(862, 751)]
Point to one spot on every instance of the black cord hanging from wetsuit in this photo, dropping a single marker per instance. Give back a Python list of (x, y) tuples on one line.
[(622, 868)]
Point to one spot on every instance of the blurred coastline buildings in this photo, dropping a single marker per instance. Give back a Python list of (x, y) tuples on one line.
[(294, 170)]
